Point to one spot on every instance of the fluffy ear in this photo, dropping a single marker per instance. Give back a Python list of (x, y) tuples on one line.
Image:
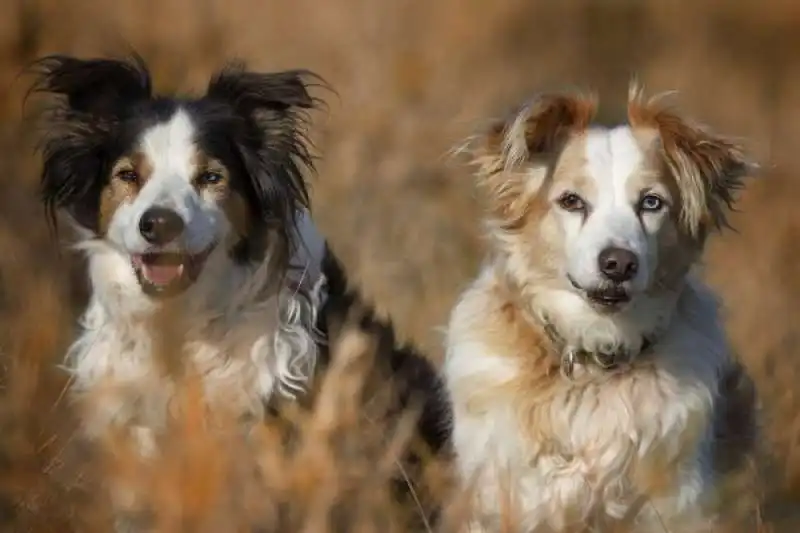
[(536, 130), (250, 92), (534, 134), (276, 105), (72, 168), (708, 168), (273, 141), (91, 94), (93, 86)]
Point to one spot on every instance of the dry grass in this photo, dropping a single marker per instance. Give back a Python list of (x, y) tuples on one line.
[(413, 77)]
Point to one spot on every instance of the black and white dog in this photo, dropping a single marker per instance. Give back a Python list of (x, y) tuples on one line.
[(201, 203)]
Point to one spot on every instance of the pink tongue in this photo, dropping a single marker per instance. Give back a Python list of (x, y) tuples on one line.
[(162, 274)]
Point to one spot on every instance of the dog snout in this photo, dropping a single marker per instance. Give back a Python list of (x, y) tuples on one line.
[(160, 225), (618, 264)]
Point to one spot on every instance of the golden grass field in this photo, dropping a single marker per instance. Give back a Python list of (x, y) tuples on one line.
[(413, 78)]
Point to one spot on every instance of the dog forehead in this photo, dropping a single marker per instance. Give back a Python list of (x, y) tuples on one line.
[(613, 155), (170, 145)]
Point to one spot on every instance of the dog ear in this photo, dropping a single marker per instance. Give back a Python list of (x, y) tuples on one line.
[(274, 106), (538, 129), (249, 92), (708, 168), (272, 142), (93, 86), (535, 133), (71, 173), (72, 131)]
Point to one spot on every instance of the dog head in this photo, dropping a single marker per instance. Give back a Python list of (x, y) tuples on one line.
[(166, 183), (607, 213)]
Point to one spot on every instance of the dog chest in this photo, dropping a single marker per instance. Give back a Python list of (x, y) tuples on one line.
[(571, 450)]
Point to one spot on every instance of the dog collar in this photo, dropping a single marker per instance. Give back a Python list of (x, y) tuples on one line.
[(570, 356), (604, 360)]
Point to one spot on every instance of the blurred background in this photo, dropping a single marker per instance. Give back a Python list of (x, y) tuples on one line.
[(413, 78)]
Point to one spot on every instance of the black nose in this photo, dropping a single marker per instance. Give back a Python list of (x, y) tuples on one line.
[(618, 264), (160, 225)]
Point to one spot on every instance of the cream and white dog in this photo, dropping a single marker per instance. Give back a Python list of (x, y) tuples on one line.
[(591, 378)]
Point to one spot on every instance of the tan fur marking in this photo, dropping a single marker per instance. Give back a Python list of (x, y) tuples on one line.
[(535, 134), (119, 191), (537, 129), (678, 248), (571, 168), (231, 200), (201, 162), (204, 164), (545, 124), (708, 168)]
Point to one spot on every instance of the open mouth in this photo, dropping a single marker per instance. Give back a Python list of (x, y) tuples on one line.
[(168, 273), (608, 297)]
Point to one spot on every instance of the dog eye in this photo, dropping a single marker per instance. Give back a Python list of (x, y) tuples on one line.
[(209, 178), (129, 176), (571, 202), (651, 202)]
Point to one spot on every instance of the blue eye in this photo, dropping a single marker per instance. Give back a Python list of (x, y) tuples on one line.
[(651, 202), (209, 178)]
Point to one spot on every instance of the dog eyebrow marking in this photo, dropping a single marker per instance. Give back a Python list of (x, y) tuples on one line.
[(117, 192), (137, 162), (202, 162)]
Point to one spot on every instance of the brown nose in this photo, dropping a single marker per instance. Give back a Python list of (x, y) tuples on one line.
[(160, 225), (618, 264)]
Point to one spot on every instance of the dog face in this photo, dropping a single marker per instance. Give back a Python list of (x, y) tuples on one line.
[(169, 182), (610, 206), (607, 213)]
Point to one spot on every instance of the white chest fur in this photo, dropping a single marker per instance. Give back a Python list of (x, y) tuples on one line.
[(563, 453), (242, 360)]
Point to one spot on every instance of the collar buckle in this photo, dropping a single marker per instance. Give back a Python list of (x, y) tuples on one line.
[(567, 367), (571, 356)]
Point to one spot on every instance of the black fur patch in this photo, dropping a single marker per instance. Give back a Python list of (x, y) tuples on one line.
[(413, 376), (413, 380)]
